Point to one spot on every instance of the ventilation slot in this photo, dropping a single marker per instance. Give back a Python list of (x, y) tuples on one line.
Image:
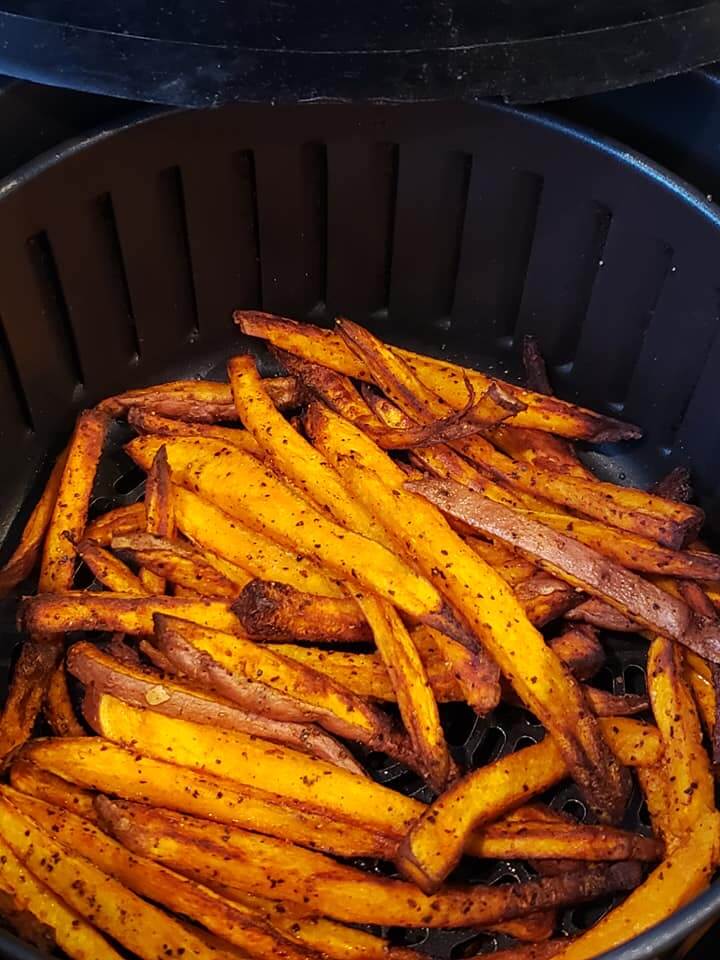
[(11, 388), (172, 185), (117, 268)]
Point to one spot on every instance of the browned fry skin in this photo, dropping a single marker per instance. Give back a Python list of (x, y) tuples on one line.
[(32, 780), (546, 598), (279, 612), (447, 380), (59, 708), (580, 648), (676, 485), (33, 671), (579, 565), (159, 513), (27, 552), (111, 572), (103, 674), (597, 613), (536, 375), (342, 892), (149, 421), (230, 663), (117, 522)]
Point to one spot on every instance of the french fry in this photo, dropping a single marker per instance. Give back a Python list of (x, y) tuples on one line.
[(685, 873), (342, 892), (436, 841), (447, 380), (31, 678), (579, 647), (117, 522), (266, 504), (148, 421), (70, 931), (280, 612), (159, 513), (579, 566), (148, 879), (101, 673), (229, 663), (59, 708), (520, 650), (180, 564), (545, 598), (111, 572), (28, 778), (675, 485), (116, 612), (26, 554), (138, 926), (690, 788), (211, 529)]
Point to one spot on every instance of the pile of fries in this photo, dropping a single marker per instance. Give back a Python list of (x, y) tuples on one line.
[(321, 561)]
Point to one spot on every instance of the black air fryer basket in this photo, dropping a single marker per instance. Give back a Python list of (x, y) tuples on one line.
[(454, 230)]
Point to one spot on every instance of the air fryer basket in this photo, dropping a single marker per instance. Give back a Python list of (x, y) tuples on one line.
[(454, 229)]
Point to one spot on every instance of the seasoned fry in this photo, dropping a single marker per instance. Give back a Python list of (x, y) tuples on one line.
[(117, 613), (231, 922), (180, 564), (579, 647), (148, 421), (676, 485), (445, 379), (341, 892), (685, 873), (117, 522), (435, 843), (59, 708), (545, 598), (74, 935), (32, 780), (111, 572), (26, 554), (266, 504), (31, 678), (579, 565), (138, 926), (520, 650), (159, 513), (280, 612), (597, 613), (229, 663), (210, 528), (103, 674)]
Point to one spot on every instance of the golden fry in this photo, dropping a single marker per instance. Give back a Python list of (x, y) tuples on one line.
[(59, 707), (159, 513), (111, 572), (148, 421), (115, 523), (32, 780)]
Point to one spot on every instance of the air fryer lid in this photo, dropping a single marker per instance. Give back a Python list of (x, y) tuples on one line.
[(189, 54), (453, 230)]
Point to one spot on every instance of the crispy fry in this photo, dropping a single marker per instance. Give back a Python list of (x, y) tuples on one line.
[(159, 513), (536, 375), (59, 707), (138, 926), (675, 882), (690, 789), (26, 554), (117, 522), (446, 379), (202, 400), (266, 504), (148, 421), (579, 565), (435, 843), (597, 613), (519, 649), (116, 612), (111, 572), (148, 879), (33, 672), (579, 647), (208, 527), (231, 662), (675, 485), (545, 598), (180, 564), (32, 780), (23, 924), (74, 935), (103, 674)]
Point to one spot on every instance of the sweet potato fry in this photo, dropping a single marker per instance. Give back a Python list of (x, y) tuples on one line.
[(32, 780), (73, 934), (116, 612), (103, 674), (447, 380), (280, 612), (597, 613), (33, 671), (436, 841), (579, 647), (520, 650), (148, 879), (26, 554), (231, 662), (111, 572), (203, 400), (676, 881), (148, 421), (342, 892), (578, 565), (545, 598), (180, 564), (159, 513), (676, 485), (510, 565), (59, 707), (117, 522), (266, 504), (530, 951), (211, 529), (138, 926), (690, 789)]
